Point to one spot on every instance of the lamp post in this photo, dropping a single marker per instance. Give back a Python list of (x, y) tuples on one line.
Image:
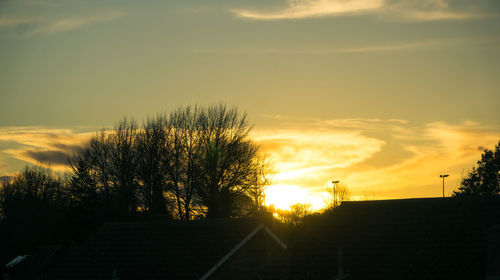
[(334, 183), (443, 176)]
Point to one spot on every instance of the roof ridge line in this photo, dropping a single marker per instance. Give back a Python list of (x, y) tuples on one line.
[(239, 245)]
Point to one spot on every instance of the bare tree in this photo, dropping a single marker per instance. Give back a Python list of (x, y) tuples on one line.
[(123, 162), (193, 161), (107, 165), (176, 161), (6, 191), (295, 215), (34, 193), (37, 183), (337, 193), (97, 155), (32, 211), (186, 158), (258, 181), (228, 159), (91, 180), (151, 158)]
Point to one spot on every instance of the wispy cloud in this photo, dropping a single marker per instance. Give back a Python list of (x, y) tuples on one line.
[(51, 3), (65, 24), (15, 21), (298, 151), (428, 10), (328, 51), (41, 137), (39, 25), (312, 8), (383, 158), (392, 47), (37, 145), (436, 15), (363, 123), (417, 10), (55, 159), (441, 148)]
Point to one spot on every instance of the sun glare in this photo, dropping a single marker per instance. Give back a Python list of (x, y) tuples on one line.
[(283, 196)]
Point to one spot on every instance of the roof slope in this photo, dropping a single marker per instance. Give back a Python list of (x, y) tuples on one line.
[(154, 249), (399, 239), (32, 266)]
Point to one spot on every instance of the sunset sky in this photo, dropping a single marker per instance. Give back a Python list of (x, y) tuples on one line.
[(381, 95)]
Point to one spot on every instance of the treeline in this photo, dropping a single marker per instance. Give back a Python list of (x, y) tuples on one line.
[(35, 209), (485, 178), (196, 162)]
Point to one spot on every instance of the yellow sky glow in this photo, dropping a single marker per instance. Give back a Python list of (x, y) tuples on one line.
[(376, 159), (306, 160), (283, 196)]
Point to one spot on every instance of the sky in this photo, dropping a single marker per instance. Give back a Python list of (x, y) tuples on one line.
[(382, 95)]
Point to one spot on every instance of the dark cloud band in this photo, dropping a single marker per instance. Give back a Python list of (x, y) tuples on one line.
[(50, 157)]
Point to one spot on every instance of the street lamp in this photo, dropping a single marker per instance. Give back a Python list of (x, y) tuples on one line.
[(443, 176), (335, 193)]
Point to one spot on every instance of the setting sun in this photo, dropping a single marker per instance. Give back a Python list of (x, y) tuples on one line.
[(283, 196), (160, 138)]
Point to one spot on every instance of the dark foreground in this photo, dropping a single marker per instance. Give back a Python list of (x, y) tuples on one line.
[(451, 238)]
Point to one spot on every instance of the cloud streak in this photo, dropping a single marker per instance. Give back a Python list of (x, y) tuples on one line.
[(428, 10), (440, 148), (299, 154), (376, 158), (53, 157), (38, 145), (379, 158), (313, 8), (387, 48), (66, 24), (14, 21), (420, 10), (436, 15), (330, 51), (36, 26)]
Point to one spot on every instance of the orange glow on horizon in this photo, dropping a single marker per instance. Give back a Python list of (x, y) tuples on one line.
[(283, 196)]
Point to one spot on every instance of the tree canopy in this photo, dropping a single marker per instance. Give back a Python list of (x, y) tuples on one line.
[(195, 162), (485, 178)]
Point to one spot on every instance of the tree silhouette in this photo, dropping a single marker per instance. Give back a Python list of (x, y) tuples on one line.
[(194, 161), (229, 159), (259, 180), (31, 207), (185, 158), (151, 147), (336, 194), (97, 155), (124, 165), (83, 183), (293, 216), (106, 168), (485, 178)]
